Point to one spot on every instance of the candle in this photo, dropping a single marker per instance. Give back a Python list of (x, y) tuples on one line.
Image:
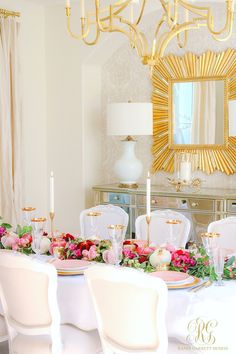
[(82, 9), (67, 3), (185, 171), (51, 193), (148, 195)]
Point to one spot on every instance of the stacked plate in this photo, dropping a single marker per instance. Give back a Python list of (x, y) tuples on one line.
[(176, 280), (70, 266)]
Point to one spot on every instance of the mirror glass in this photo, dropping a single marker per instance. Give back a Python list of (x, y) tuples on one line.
[(198, 112)]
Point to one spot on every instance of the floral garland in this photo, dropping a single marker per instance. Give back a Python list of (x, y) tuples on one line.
[(135, 253)]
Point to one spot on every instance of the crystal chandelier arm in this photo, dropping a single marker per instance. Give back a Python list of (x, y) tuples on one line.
[(141, 12)]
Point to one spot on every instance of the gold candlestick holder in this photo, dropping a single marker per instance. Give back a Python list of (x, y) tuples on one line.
[(148, 221), (52, 216)]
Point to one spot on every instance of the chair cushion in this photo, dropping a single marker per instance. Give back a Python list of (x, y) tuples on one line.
[(74, 341)]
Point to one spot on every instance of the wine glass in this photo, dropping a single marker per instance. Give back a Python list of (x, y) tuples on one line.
[(210, 243), (116, 233), (93, 222), (28, 215), (38, 228), (173, 235), (218, 256)]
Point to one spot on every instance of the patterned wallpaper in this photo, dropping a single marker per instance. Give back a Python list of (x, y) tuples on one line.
[(125, 78)]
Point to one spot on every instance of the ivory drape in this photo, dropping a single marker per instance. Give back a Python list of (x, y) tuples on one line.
[(204, 113), (10, 122)]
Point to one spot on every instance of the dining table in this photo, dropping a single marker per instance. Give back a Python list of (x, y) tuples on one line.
[(205, 318)]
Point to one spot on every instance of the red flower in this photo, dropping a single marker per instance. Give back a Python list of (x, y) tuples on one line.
[(68, 237), (142, 259), (85, 245)]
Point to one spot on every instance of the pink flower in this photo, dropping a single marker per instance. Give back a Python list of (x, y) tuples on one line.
[(2, 231), (72, 247), (145, 250), (91, 254), (169, 247), (11, 241), (128, 253), (109, 257), (77, 253)]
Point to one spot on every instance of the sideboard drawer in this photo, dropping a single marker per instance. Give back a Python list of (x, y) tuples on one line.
[(199, 204), (160, 202), (118, 198), (231, 206)]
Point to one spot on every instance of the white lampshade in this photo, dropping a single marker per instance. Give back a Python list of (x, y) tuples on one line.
[(129, 119)]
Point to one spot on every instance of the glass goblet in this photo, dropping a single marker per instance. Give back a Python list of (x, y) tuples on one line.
[(28, 215), (173, 232), (93, 232), (116, 233), (38, 228), (218, 256), (210, 242)]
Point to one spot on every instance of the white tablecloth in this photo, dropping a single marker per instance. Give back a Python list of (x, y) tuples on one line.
[(213, 303)]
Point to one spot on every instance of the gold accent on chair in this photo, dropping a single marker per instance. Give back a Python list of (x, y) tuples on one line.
[(191, 67)]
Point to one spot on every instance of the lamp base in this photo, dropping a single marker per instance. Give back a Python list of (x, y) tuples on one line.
[(128, 185)]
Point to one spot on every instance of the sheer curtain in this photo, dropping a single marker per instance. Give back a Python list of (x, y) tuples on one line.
[(10, 122), (204, 113)]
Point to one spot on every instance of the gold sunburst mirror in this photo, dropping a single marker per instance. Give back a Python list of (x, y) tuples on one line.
[(191, 97)]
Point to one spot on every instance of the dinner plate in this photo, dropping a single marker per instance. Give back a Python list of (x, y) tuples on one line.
[(172, 277), (70, 266), (192, 282)]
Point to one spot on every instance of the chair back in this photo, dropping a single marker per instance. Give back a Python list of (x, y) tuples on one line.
[(160, 230), (3, 330), (28, 292), (109, 215), (227, 230), (130, 308)]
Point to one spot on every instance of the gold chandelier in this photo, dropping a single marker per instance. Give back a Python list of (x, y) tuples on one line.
[(178, 17)]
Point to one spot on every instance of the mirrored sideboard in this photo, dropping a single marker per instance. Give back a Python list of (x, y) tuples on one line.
[(201, 207)]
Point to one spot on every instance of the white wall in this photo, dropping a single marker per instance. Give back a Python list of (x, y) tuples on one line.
[(66, 86), (32, 48)]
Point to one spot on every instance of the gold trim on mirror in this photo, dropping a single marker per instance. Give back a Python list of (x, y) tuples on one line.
[(191, 67)]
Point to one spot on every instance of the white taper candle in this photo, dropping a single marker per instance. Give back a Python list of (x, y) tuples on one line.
[(51, 193), (148, 195)]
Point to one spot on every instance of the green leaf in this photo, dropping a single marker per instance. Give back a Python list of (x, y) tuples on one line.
[(7, 226), (230, 261)]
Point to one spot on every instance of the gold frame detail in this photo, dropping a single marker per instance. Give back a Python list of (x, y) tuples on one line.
[(208, 66)]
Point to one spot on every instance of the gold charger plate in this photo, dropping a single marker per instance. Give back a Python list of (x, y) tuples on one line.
[(194, 282), (76, 272)]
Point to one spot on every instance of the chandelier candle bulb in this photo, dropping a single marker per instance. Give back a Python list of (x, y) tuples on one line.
[(148, 195), (185, 171), (67, 3), (52, 193), (82, 9)]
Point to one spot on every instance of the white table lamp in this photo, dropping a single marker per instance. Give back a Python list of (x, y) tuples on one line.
[(129, 119)]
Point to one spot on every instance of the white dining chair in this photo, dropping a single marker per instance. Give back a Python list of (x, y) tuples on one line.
[(3, 330), (28, 292), (227, 230), (130, 307), (98, 225), (160, 230)]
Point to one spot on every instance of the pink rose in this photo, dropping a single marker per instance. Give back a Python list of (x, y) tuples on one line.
[(109, 257), (91, 254)]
